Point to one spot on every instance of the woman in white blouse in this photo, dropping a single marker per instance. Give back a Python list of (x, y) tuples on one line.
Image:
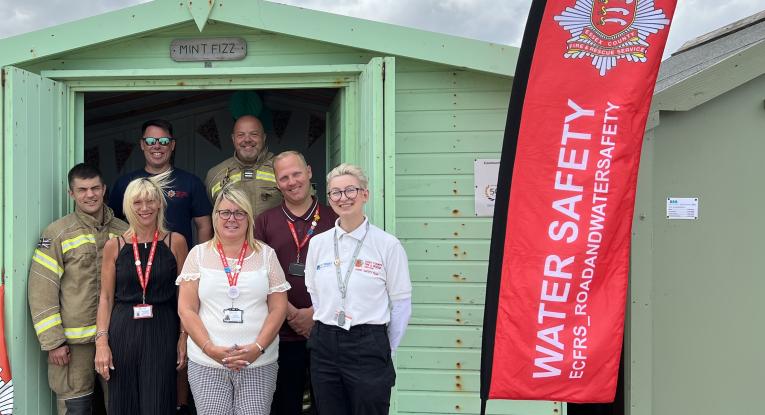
[(358, 279), (232, 303)]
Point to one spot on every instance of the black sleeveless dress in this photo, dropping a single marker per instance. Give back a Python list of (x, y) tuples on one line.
[(144, 350)]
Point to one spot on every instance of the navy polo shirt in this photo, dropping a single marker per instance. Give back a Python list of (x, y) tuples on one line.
[(186, 200)]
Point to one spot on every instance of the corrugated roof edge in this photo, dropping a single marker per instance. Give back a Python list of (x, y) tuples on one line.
[(721, 32), (712, 65)]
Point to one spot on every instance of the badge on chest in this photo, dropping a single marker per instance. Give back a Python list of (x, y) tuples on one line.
[(343, 319), (142, 311), (233, 315), (296, 269)]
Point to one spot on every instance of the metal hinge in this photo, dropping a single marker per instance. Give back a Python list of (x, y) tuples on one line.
[(383, 71), (2, 77)]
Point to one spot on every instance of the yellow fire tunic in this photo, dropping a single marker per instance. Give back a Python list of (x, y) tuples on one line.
[(256, 179), (65, 277)]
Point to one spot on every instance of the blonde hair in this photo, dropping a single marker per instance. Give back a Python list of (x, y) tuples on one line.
[(349, 170), (238, 197), (147, 188)]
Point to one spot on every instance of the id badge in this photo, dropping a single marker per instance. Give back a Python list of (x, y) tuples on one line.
[(142, 311), (343, 319), (297, 269), (233, 315), (248, 174)]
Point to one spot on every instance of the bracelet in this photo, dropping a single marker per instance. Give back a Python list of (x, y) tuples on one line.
[(205, 345), (261, 348), (101, 333)]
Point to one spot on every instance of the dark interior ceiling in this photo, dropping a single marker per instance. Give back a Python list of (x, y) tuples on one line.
[(105, 107)]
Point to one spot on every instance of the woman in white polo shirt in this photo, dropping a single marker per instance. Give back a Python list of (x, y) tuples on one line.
[(358, 279), (232, 302)]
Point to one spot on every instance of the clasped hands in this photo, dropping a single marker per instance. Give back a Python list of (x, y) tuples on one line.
[(236, 357)]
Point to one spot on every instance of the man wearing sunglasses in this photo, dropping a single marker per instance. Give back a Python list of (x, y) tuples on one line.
[(251, 168), (187, 203)]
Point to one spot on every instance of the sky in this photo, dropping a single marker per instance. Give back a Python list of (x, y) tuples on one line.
[(498, 21)]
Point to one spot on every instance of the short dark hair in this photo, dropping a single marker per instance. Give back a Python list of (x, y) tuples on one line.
[(83, 171), (163, 124)]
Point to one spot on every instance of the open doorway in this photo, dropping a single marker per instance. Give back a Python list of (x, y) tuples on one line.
[(294, 119)]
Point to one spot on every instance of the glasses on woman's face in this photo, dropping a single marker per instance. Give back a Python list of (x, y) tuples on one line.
[(163, 141), (237, 214), (350, 192)]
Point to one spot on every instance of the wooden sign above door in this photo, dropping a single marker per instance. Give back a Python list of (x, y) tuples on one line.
[(208, 49)]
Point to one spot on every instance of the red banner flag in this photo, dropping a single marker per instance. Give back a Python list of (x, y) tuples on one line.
[(6, 383), (559, 261)]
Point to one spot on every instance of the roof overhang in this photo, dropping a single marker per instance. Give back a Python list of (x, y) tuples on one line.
[(713, 81), (267, 16)]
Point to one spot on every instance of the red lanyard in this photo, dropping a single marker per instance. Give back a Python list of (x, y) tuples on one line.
[(314, 223), (143, 278), (232, 279)]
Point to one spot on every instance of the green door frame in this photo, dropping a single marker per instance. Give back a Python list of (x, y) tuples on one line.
[(361, 94), (368, 112)]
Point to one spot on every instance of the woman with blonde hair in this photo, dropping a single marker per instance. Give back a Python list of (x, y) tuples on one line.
[(139, 341), (233, 302), (358, 278)]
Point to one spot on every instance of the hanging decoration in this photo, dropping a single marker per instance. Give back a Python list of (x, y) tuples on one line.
[(122, 151), (281, 121), (209, 131), (317, 126)]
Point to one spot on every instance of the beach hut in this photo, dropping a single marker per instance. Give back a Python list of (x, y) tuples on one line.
[(695, 339)]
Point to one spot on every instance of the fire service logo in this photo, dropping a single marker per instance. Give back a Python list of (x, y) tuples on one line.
[(609, 30)]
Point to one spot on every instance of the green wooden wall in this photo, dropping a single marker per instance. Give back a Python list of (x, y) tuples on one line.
[(445, 118), (697, 295)]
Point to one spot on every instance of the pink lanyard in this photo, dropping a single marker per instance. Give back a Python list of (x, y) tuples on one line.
[(300, 245), (233, 280), (143, 278)]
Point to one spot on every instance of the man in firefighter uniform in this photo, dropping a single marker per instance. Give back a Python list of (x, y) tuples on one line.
[(251, 167), (64, 284)]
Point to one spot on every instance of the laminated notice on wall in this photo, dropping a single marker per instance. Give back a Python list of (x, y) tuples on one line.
[(683, 208), (485, 172)]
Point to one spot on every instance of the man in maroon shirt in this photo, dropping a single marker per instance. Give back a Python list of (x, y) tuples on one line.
[(288, 228)]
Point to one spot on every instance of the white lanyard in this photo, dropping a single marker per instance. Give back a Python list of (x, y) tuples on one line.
[(343, 284)]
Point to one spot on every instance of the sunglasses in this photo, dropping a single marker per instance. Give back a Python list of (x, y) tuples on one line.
[(163, 141)]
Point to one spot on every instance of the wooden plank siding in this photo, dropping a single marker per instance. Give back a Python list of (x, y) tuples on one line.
[(445, 119)]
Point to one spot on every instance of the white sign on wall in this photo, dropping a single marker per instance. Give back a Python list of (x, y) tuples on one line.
[(485, 175), (683, 208)]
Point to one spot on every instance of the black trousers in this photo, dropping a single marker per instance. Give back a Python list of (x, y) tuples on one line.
[(290, 383), (352, 371)]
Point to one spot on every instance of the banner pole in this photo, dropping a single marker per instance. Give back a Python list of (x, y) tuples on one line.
[(499, 225)]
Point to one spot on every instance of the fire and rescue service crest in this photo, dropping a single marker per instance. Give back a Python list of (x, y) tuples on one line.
[(609, 30)]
